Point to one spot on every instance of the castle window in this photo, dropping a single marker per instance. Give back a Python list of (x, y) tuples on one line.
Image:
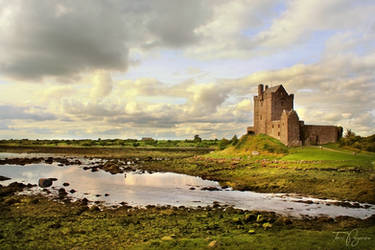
[(261, 117), (278, 125), (278, 133), (272, 125)]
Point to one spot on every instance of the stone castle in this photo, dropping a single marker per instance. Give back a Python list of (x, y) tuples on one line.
[(274, 116)]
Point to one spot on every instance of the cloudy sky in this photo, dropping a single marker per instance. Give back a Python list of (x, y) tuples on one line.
[(171, 69)]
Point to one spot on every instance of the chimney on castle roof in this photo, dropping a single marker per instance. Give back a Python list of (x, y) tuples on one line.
[(260, 90)]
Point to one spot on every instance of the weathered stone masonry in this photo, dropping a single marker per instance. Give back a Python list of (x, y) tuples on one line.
[(274, 116)]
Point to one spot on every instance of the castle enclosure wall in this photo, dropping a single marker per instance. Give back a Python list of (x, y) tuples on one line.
[(316, 134)]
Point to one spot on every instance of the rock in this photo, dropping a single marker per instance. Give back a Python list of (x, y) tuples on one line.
[(3, 178), (250, 217), (372, 177), (45, 182), (106, 195), (259, 218), (49, 160), (251, 231), (236, 220), (77, 162), (85, 201), (62, 192), (113, 167), (210, 189), (72, 191), (169, 237), (46, 191), (192, 188), (267, 225), (65, 184), (212, 244), (216, 204), (254, 153), (94, 209)]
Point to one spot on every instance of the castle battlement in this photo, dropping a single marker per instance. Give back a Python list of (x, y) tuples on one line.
[(274, 115)]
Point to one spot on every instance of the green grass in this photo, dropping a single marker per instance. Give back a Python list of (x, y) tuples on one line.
[(34, 222), (333, 154)]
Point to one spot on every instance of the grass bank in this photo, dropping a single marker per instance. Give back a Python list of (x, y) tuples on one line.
[(35, 222)]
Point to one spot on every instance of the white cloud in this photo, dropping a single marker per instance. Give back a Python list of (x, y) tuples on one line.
[(102, 85)]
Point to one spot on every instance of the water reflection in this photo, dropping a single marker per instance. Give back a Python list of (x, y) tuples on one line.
[(167, 189)]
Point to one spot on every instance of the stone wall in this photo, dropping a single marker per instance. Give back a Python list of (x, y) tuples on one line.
[(317, 134)]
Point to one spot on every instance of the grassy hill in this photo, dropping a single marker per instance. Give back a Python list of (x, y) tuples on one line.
[(247, 144)]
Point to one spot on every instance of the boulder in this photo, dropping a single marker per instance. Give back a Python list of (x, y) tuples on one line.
[(113, 167), (210, 189), (62, 192), (45, 182), (3, 178)]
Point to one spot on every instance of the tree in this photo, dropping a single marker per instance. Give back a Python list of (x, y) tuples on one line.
[(223, 143), (197, 138), (349, 133), (234, 140)]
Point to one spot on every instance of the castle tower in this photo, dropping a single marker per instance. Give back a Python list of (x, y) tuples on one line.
[(268, 107)]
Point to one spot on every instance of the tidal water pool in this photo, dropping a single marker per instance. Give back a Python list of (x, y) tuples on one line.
[(138, 188)]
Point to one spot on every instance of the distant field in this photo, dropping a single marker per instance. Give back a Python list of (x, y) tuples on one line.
[(115, 143)]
